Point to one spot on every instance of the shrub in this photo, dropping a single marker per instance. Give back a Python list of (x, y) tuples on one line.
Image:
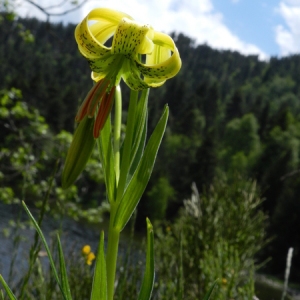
[(216, 237)]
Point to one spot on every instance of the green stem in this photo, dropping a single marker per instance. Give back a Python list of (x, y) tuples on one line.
[(117, 131), (126, 155), (112, 254), (121, 176)]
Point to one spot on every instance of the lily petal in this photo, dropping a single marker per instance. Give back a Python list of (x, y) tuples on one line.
[(91, 39), (131, 37), (132, 76), (165, 65), (123, 59)]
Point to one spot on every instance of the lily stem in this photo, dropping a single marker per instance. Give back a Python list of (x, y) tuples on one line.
[(112, 254), (117, 131)]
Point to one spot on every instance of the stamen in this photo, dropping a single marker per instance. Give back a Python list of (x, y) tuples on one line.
[(97, 96), (82, 112), (103, 112)]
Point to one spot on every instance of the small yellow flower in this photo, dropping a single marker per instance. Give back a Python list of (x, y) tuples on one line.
[(139, 55), (88, 255), (86, 250), (224, 281)]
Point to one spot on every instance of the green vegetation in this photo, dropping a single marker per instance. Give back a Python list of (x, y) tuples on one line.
[(215, 238), (219, 232), (229, 114)]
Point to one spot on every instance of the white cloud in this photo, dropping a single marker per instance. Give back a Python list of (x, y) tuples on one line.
[(288, 36), (197, 19)]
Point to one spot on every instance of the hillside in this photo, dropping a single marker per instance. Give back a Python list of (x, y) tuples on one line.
[(229, 114)]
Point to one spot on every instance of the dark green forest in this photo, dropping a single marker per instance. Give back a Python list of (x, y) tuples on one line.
[(230, 115)]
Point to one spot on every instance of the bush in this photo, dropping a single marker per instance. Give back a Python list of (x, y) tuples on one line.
[(216, 237)]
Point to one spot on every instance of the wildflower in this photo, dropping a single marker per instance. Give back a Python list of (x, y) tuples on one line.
[(88, 255), (139, 55), (86, 250)]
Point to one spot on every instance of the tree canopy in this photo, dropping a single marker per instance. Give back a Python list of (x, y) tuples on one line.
[(229, 113)]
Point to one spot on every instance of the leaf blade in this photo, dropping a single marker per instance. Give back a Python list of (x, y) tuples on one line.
[(148, 280), (7, 289), (63, 270), (99, 289), (42, 237), (209, 293), (107, 159), (141, 176)]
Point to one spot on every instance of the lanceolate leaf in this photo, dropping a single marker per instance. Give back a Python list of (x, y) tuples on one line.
[(140, 132), (148, 280), (139, 150), (209, 293), (141, 176), (99, 289), (107, 159)]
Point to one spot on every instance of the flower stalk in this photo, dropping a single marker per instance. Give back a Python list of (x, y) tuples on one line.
[(143, 58), (117, 131)]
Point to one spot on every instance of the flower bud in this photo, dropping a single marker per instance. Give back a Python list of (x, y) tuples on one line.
[(79, 152)]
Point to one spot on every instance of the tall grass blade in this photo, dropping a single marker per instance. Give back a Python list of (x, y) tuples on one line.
[(7, 289), (63, 271), (209, 293), (99, 290), (52, 264), (148, 280), (287, 272)]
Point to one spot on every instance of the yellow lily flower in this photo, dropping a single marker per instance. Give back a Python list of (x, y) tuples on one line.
[(140, 55)]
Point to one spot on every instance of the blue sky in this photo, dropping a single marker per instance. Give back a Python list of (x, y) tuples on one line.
[(253, 20), (263, 27)]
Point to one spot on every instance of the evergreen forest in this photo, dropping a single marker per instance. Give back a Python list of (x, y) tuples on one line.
[(232, 118)]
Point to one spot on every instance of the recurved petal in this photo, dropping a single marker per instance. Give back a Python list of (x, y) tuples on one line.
[(163, 63), (158, 55), (102, 65), (109, 68), (88, 46), (107, 15), (92, 36), (132, 76), (132, 37)]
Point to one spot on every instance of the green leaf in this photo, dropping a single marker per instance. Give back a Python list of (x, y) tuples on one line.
[(140, 131), (52, 264), (148, 280), (7, 289), (141, 176), (107, 159), (63, 271), (209, 293), (127, 145), (139, 151), (99, 289), (79, 152)]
